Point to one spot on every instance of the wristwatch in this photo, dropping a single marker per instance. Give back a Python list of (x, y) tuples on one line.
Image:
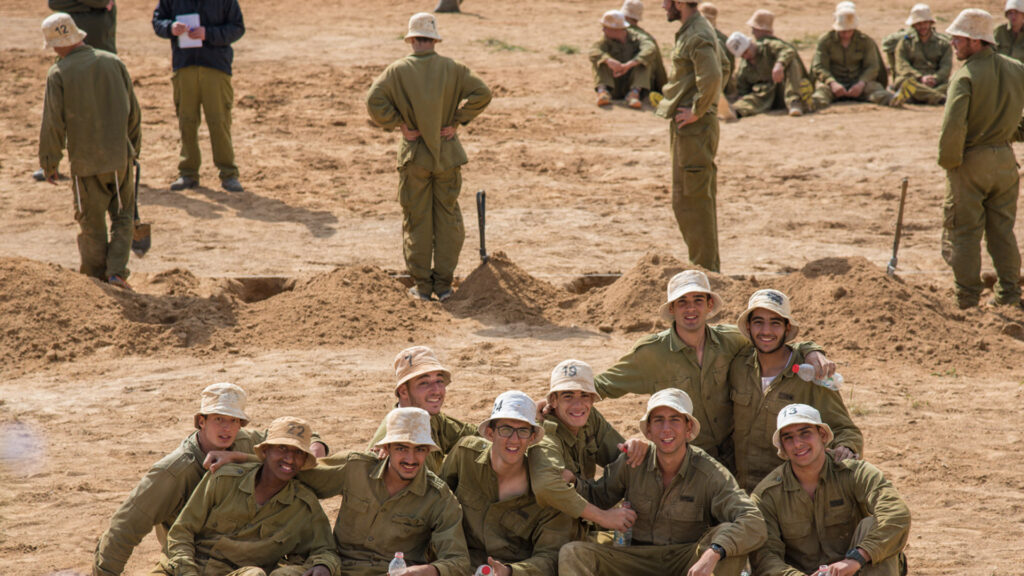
[(855, 554), (719, 550)]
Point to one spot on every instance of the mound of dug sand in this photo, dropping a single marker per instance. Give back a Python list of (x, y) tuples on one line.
[(501, 291)]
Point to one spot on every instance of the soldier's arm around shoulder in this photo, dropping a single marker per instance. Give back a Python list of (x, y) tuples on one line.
[(607, 437), (549, 488), (447, 539), (467, 447), (876, 494), (627, 376), (330, 476), (953, 136), (476, 95), (231, 30), (769, 559), (744, 528)]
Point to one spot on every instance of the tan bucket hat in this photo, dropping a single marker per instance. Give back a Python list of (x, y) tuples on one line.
[(762, 20), (799, 414), (514, 405), (973, 23), (1017, 5), (738, 43), (414, 361), (710, 12), (844, 6), (423, 25), (407, 426), (920, 13), (846, 20), (686, 282), (769, 300), (677, 400), (60, 31), (289, 431), (633, 9), (615, 20), (222, 398), (572, 375)]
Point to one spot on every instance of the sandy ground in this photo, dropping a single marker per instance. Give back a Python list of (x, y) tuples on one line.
[(103, 384)]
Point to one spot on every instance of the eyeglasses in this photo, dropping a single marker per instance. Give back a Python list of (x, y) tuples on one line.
[(507, 431)]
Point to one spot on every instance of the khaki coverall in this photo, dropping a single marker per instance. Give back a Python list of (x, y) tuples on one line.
[(755, 413), (1008, 43), (639, 47), (859, 62), (223, 530), (90, 105), (759, 93), (445, 431), (423, 91), (805, 532), (983, 111), (916, 59), (702, 505), (93, 18), (518, 532), (659, 76), (695, 83), (423, 520)]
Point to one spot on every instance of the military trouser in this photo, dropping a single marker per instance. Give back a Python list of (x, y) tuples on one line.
[(280, 571), (910, 89), (195, 87), (100, 27), (873, 92), (695, 188), (215, 567), (794, 91), (94, 198), (981, 199), (638, 78), (431, 225), (590, 559)]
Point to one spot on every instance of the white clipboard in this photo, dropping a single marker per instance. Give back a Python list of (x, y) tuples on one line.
[(192, 21)]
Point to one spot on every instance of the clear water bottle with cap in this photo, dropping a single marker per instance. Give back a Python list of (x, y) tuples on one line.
[(822, 570), (483, 570), (744, 572), (806, 373), (397, 566), (623, 538)]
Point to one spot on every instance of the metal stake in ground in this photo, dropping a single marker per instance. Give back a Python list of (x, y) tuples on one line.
[(891, 268), (481, 218), (141, 240)]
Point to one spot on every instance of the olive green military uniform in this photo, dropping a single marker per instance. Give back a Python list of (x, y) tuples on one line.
[(423, 520), (93, 18), (519, 531), (663, 360), (90, 107), (889, 44), (639, 47), (916, 59), (695, 83), (983, 111), (445, 431), (755, 413), (1008, 43), (203, 88), (595, 444), (805, 532), (861, 61), (759, 93), (702, 505), (223, 528), (659, 76), (728, 76), (423, 91)]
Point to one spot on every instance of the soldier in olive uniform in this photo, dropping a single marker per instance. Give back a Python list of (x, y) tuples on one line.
[(506, 528), (762, 381), (255, 519), (621, 62), (710, 13), (819, 512), (1009, 39), (847, 65), (983, 112), (924, 61), (771, 77), (90, 108), (634, 12), (421, 94), (691, 515), (394, 504), (422, 382)]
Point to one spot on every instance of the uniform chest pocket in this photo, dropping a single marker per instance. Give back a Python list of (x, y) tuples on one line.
[(687, 520), (406, 524), (470, 498), (840, 522), (795, 531), (354, 505), (742, 398), (519, 524)]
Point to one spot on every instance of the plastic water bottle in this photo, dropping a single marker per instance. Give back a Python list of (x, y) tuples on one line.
[(623, 538), (744, 572), (822, 570), (483, 570), (397, 566), (806, 373)]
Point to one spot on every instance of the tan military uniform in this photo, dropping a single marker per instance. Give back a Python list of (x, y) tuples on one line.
[(702, 504), (90, 106), (445, 431), (519, 531), (93, 18), (859, 62), (982, 115), (695, 83), (1008, 43), (423, 520), (728, 73), (755, 413), (659, 76), (759, 93), (916, 59), (423, 91), (805, 532), (222, 528), (639, 47)]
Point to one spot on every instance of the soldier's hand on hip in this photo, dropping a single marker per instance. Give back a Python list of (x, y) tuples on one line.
[(685, 116), (448, 132), (409, 134)]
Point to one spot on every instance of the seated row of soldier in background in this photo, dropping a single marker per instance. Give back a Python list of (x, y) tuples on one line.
[(512, 491)]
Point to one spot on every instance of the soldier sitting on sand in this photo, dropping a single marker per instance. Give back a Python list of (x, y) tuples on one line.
[(622, 62), (847, 64), (771, 77), (924, 61)]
